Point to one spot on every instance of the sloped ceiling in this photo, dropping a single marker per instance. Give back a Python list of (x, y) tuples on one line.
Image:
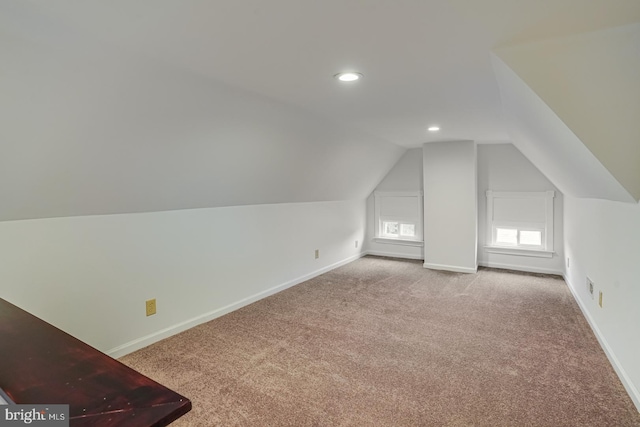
[(550, 145), (89, 129), (130, 106), (591, 83)]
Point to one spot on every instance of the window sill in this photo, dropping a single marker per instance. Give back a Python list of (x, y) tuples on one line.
[(398, 241), (519, 251)]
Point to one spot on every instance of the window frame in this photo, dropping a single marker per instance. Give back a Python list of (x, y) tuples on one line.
[(381, 237), (545, 249)]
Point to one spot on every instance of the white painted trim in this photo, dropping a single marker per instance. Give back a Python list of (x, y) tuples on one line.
[(519, 251), (395, 255), (399, 193), (402, 242), (622, 374), (524, 268), (450, 268), (521, 194), (147, 340), (546, 227), (419, 219)]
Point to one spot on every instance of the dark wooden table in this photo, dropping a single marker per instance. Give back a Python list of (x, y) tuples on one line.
[(40, 364)]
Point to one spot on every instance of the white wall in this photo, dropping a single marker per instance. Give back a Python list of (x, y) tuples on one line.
[(501, 167), (450, 205), (91, 275), (406, 175), (602, 241)]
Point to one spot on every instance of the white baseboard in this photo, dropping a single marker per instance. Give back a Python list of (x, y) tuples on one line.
[(622, 374), (394, 255), (147, 340), (520, 268), (453, 268)]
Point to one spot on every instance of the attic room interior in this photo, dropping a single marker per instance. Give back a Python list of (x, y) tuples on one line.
[(448, 235)]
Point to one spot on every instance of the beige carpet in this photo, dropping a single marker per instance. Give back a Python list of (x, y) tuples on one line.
[(384, 342)]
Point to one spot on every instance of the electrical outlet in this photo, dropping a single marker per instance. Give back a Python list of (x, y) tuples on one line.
[(600, 299), (151, 307), (590, 287), (356, 243), (317, 253)]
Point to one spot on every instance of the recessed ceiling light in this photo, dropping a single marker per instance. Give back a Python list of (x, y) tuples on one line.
[(348, 77), (433, 128)]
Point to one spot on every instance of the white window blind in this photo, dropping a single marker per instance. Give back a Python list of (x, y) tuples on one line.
[(521, 222), (398, 215)]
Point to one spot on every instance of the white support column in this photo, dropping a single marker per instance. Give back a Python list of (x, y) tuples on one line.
[(450, 206)]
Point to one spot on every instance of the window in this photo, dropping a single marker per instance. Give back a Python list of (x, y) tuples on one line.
[(398, 217), (518, 237), (520, 223), (408, 230)]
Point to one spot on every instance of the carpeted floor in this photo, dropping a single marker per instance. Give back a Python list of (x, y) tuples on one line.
[(385, 342)]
